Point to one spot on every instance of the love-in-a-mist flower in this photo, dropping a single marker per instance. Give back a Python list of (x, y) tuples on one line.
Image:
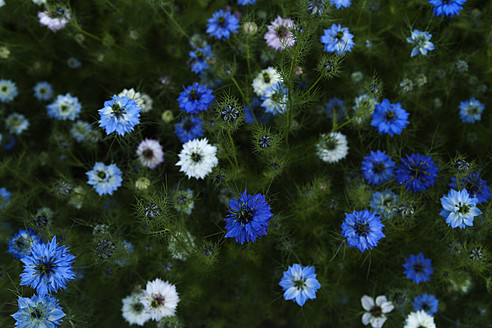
[(385, 203), (248, 217), (105, 178), (133, 311), (80, 130), (65, 107), (275, 99), (16, 123), (143, 100), (120, 115), (459, 209), (43, 91), (389, 118), (195, 98), (421, 42), (418, 268), (199, 59), (189, 128), (21, 243), (299, 283), (471, 110), (375, 311), (150, 153), (447, 8), (332, 147), (8, 91), (266, 78), (38, 311), (55, 20), (279, 35), (377, 167), (246, 2), (363, 229), (417, 172), (427, 302), (476, 186), (48, 267), (341, 3), (337, 39), (419, 319), (197, 158), (222, 24), (159, 299)]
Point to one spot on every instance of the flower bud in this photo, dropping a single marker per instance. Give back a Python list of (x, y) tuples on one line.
[(250, 28)]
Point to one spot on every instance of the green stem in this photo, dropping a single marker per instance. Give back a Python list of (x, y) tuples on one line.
[(289, 108), (176, 23), (311, 87), (244, 98), (233, 149)]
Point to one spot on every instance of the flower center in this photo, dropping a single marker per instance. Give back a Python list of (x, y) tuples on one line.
[(45, 268), (195, 157), (281, 32), (64, 108), (300, 283), (245, 215), (138, 307), (36, 314), (148, 153), (101, 175), (463, 208), (339, 35), (378, 167), (157, 301), (266, 78), (117, 110), (20, 243), (390, 116), (376, 311), (418, 268), (194, 95), (361, 229), (222, 21), (4, 88)]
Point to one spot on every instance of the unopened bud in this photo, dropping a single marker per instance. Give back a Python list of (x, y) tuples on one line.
[(250, 28), (167, 116)]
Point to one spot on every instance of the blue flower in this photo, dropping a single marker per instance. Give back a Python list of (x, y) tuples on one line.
[(8, 91), (5, 196), (246, 2), (363, 229), (475, 186), (73, 62), (377, 167), (384, 203), (417, 172), (119, 114), (337, 39), (341, 3), (105, 178), (261, 115), (471, 110), (80, 130), (16, 123), (64, 108), (299, 283), (38, 311), (189, 128), (389, 118), (421, 42), (248, 217), (418, 268), (47, 268), (20, 245), (199, 59), (43, 91), (222, 24), (459, 209), (447, 7), (275, 99), (335, 105), (427, 302), (195, 98)]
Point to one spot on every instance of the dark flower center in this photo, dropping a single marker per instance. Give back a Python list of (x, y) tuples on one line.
[(390, 116), (187, 124), (339, 35), (264, 142), (4, 88), (281, 32), (463, 208), (194, 95), (266, 77), (426, 307), (36, 314), (245, 215), (222, 21), (376, 311), (117, 110), (44, 268), (418, 268), (378, 167), (181, 199), (148, 153), (138, 307), (195, 157), (300, 283), (101, 174), (361, 229), (20, 243), (157, 301)]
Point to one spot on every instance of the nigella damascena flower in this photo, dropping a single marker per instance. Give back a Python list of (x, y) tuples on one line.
[(268, 77), (47, 268), (363, 229), (120, 115), (159, 299), (16, 123), (427, 302), (332, 147), (279, 35), (275, 99), (20, 245), (64, 107), (341, 3), (150, 153), (43, 91), (246, 2), (447, 8), (377, 167), (248, 217), (389, 118), (385, 203), (375, 310), (417, 172), (189, 128), (471, 110), (197, 158), (105, 178), (195, 98), (459, 209), (476, 186), (422, 43), (38, 311), (418, 268), (419, 319), (8, 91), (222, 24), (133, 311), (199, 59), (54, 20), (299, 283), (337, 39)]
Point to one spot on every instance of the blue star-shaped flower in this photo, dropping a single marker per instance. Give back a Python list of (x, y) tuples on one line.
[(20, 245), (299, 283), (189, 128), (389, 118), (459, 209), (105, 178), (418, 268), (363, 229), (222, 24), (447, 7), (195, 98), (475, 186), (377, 167), (119, 114), (417, 172), (199, 59), (337, 39), (427, 302), (38, 311), (471, 110), (422, 43)]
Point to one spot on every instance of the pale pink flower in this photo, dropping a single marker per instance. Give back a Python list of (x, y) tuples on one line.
[(54, 21), (150, 153), (279, 35)]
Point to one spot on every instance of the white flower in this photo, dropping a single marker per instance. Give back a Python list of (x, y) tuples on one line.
[(39, 2), (160, 299), (364, 107), (133, 310), (2, 3), (375, 314), (147, 102), (16, 123), (266, 78), (197, 158), (419, 319), (332, 147), (143, 100), (54, 21), (150, 153)]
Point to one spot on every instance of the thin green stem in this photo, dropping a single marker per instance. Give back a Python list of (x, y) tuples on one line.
[(176, 23), (233, 149), (311, 87), (244, 97)]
